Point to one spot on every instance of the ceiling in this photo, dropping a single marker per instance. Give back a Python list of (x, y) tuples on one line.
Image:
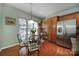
[(42, 10)]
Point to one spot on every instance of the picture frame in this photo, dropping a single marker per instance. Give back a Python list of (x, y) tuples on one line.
[(10, 21)]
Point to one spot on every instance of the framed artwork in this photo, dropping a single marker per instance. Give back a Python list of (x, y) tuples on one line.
[(10, 21)]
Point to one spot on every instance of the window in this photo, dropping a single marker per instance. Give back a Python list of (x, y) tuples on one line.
[(32, 24), (25, 27), (22, 29)]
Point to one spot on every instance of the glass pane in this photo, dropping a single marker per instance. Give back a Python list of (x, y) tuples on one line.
[(22, 22), (22, 28), (32, 24)]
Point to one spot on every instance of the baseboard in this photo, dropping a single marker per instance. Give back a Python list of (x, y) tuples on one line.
[(8, 46)]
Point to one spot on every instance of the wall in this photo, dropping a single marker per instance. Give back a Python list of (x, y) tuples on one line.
[(8, 33), (0, 26)]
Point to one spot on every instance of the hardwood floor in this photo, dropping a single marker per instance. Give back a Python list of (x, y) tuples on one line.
[(13, 51), (44, 50)]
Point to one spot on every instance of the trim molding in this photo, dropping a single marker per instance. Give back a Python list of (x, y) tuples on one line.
[(8, 46)]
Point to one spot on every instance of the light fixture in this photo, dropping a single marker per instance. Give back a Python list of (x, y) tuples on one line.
[(31, 19), (31, 11)]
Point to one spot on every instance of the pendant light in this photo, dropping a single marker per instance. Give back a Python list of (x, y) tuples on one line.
[(31, 11)]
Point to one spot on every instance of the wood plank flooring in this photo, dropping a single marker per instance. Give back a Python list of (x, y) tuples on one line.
[(13, 51)]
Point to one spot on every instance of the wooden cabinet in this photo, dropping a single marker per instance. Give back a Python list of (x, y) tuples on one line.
[(50, 26)]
